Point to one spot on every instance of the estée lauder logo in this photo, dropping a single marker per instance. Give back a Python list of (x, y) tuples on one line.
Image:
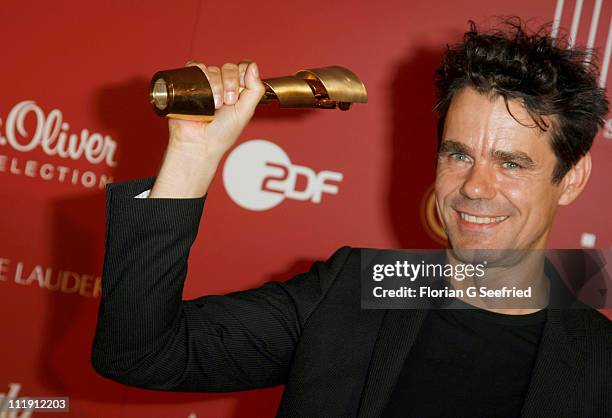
[(27, 128)]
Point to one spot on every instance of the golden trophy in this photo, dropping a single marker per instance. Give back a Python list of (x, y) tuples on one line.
[(185, 93)]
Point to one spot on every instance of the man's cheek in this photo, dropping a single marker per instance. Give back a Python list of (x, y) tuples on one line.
[(446, 182), (521, 196), (447, 170)]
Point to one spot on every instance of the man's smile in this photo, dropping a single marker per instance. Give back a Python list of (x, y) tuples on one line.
[(479, 221)]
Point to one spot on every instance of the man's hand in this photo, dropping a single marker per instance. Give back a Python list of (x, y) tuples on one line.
[(195, 148)]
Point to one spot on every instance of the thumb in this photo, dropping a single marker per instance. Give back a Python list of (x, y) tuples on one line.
[(254, 90)]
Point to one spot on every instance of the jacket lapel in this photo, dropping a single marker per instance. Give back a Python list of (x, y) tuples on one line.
[(396, 336), (558, 366)]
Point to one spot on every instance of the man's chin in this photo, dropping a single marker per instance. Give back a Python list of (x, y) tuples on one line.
[(488, 256), (473, 241), (476, 251)]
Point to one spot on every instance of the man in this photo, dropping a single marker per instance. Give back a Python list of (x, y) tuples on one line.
[(517, 118)]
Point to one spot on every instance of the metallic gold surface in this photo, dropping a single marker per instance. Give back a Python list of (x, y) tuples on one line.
[(290, 91), (196, 118), (340, 84), (160, 94), (185, 93)]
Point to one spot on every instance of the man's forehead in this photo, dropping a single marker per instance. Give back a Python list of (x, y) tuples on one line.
[(474, 109), (477, 119)]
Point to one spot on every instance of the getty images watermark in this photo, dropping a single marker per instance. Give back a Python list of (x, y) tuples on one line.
[(500, 279)]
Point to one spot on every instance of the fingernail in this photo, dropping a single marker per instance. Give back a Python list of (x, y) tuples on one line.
[(255, 70), (230, 97), (242, 79), (217, 98)]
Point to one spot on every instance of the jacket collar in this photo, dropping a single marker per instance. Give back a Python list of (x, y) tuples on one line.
[(560, 359), (396, 336), (558, 366)]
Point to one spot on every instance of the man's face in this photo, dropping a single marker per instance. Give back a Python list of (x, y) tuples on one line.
[(493, 181)]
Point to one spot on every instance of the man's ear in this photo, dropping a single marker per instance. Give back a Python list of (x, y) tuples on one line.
[(575, 180)]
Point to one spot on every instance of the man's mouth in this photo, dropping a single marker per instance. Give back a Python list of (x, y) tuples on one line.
[(482, 219)]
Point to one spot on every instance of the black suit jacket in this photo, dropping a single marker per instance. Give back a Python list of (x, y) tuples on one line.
[(308, 333)]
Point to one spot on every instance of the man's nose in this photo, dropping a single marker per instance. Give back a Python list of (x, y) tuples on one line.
[(479, 182)]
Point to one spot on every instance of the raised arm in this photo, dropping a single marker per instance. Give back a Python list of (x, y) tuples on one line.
[(146, 335)]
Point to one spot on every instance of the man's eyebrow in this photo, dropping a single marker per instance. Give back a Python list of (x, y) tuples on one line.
[(450, 146), (518, 157)]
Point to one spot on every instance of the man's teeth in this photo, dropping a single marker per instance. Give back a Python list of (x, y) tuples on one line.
[(480, 220)]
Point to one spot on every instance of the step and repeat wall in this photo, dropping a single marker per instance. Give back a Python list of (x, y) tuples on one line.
[(75, 116)]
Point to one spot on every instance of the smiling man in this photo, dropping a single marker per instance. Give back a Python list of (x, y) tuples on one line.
[(518, 115), (499, 182)]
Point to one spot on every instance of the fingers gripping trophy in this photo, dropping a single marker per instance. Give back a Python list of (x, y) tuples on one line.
[(208, 107)]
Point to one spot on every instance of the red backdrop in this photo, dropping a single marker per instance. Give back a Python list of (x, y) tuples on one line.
[(77, 73)]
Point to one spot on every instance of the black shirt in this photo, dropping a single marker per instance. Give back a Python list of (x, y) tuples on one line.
[(468, 363)]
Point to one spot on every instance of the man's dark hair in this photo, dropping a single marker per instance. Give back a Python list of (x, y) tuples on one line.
[(540, 71)]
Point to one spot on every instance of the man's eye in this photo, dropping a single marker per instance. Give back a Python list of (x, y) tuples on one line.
[(511, 165), (457, 156)]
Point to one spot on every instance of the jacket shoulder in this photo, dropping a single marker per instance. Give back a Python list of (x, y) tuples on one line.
[(598, 325), (338, 260)]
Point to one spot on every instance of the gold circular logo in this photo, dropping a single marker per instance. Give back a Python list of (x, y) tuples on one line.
[(430, 219)]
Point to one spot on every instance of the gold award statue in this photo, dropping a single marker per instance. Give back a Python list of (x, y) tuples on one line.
[(185, 93)]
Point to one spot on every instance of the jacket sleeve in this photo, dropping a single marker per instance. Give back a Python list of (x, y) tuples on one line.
[(148, 337)]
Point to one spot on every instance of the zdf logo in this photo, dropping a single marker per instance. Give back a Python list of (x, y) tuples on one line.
[(258, 175)]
